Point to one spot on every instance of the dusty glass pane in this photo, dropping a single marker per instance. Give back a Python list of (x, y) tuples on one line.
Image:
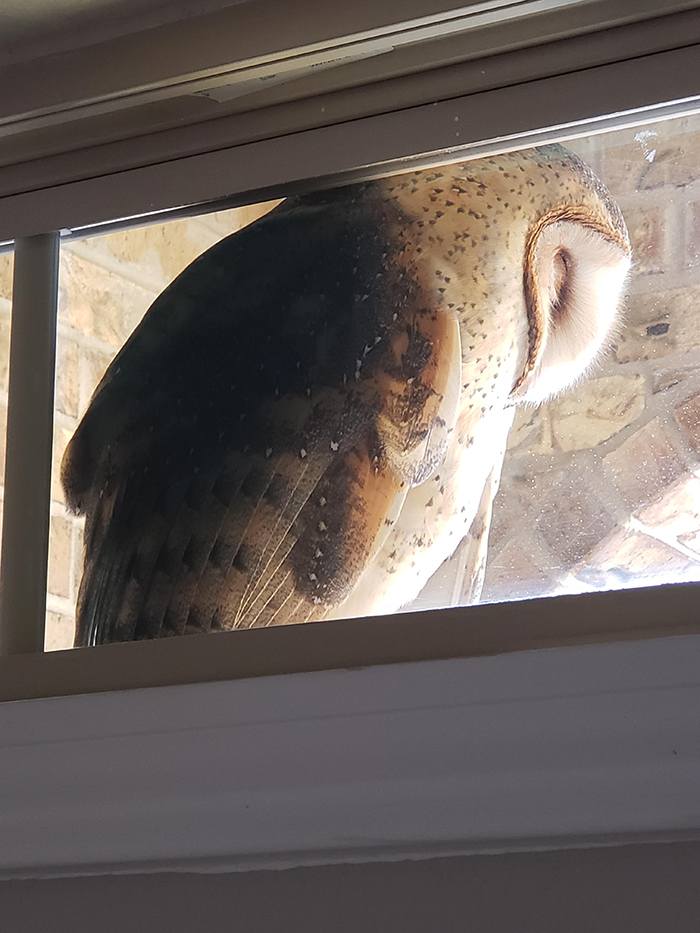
[(599, 486)]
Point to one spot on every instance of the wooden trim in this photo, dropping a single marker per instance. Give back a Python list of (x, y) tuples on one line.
[(475, 631), (28, 456), (576, 746)]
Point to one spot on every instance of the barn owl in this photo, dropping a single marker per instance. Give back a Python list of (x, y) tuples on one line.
[(313, 415)]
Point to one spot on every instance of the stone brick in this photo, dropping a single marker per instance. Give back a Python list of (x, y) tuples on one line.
[(688, 416), (647, 230), (659, 323), (6, 272), (631, 558), (677, 513), (645, 162), (524, 487), (691, 540), (573, 520), (692, 246), (632, 167), (99, 303), (665, 379), (679, 156), (644, 465), (60, 632), (531, 432), (596, 410), (60, 556), (513, 574), (232, 220), (67, 380), (160, 250), (92, 367)]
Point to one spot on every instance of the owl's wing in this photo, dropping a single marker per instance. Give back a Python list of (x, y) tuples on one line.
[(250, 447)]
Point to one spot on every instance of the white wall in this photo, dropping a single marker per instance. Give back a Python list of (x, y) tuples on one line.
[(640, 889)]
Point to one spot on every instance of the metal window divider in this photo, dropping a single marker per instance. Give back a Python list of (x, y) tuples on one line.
[(28, 458)]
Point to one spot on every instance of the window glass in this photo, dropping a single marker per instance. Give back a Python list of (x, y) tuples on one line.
[(599, 486)]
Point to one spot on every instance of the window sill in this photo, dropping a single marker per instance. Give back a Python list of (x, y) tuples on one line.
[(580, 745)]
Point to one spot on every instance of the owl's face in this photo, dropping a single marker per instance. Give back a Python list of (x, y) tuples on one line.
[(533, 256)]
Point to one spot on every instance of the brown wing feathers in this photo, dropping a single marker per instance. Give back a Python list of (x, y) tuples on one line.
[(250, 447)]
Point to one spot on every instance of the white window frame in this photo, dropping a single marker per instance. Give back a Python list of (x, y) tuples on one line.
[(161, 712)]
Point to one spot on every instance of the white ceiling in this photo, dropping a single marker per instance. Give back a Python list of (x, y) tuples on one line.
[(20, 14), (36, 27), (20, 18)]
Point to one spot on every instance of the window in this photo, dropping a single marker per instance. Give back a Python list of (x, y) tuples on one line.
[(587, 530), (599, 487)]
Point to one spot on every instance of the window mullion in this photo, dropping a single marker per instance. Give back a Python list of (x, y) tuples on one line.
[(28, 457)]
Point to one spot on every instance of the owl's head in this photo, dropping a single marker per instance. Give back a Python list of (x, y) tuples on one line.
[(577, 259)]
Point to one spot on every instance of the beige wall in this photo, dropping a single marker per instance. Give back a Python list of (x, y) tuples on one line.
[(633, 889)]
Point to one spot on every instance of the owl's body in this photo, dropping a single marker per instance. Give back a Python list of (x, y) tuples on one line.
[(310, 419)]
